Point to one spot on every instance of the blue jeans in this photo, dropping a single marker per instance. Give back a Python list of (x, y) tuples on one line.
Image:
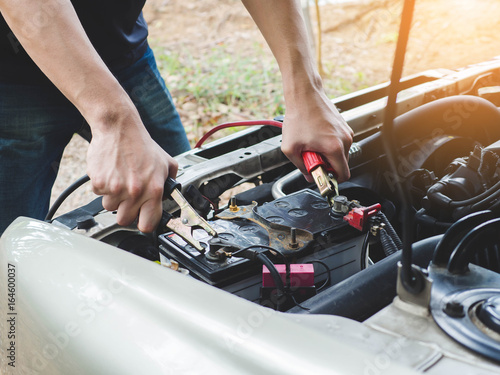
[(37, 122)]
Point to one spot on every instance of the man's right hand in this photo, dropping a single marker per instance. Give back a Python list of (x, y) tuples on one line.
[(129, 170), (125, 165)]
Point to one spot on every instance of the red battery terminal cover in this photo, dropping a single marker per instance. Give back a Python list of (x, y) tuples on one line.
[(358, 216), (301, 275)]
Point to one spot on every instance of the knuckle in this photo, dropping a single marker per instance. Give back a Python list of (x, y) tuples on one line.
[(173, 163), (337, 149), (108, 204), (125, 218), (123, 222), (98, 185), (115, 187), (149, 216), (156, 191), (146, 228), (135, 191)]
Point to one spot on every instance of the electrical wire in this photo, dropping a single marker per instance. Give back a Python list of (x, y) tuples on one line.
[(365, 259), (64, 195), (202, 140), (390, 230), (261, 257), (214, 206), (477, 198), (325, 283), (456, 233), (272, 269), (272, 249), (328, 278), (486, 201), (388, 245), (298, 304)]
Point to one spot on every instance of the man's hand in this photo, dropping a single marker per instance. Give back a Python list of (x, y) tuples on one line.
[(311, 121), (314, 124), (129, 170), (125, 165)]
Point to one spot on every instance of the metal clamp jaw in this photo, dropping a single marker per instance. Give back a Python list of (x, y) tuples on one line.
[(323, 175), (189, 218)]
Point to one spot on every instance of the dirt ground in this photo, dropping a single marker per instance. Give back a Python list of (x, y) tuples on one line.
[(358, 42)]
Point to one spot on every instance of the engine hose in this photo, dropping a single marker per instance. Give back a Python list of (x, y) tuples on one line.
[(390, 230), (435, 195), (456, 233), (483, 236), (65, 194), (486, 201), (494, 207), (388, 244), (422, 218), (478, 198)]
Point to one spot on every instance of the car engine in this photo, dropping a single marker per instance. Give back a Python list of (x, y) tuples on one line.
[(280, 244)]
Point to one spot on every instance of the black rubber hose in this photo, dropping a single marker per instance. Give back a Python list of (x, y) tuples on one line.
[(390, 230), (365, 293), (436, 196), (456, 233), (65, 194), (422, 218), (388, 244), (477, 239), (494, 207), (481, 125), (485, 202), (478, 198)]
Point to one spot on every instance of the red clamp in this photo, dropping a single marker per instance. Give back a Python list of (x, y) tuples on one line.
[(358, 216), (322, 173), (313, 159)]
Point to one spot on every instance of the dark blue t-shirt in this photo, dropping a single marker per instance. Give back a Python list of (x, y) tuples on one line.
[(116, 29)]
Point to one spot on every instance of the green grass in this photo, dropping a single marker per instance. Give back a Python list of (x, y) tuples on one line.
[(217, 85), (221, 86)]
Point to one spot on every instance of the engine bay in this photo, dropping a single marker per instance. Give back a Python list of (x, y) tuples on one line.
[(252, 269), (280, 244)]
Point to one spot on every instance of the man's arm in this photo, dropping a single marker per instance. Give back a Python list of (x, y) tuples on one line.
[(125, 165), (311, 123)]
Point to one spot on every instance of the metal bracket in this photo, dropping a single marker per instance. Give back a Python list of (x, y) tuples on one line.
[(421, 299), (286, 239)]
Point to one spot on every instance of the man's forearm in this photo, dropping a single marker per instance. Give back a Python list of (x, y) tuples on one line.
[(311, 123), (124, 164), (281, 24), (52, 35)]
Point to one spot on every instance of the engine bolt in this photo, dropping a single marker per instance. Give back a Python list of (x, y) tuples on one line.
[(293, 238), (454, 309), (233, 207)]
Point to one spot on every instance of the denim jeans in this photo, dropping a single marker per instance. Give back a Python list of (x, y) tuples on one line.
[(37, 122)]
